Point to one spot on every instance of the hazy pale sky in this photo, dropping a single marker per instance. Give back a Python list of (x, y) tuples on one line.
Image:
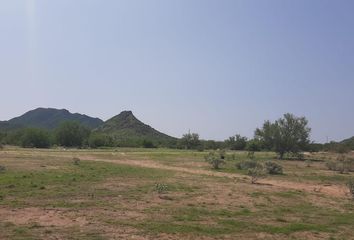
[(217, 67)]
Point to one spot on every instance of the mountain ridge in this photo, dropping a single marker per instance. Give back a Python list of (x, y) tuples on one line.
[(126, 126), (48, 118)]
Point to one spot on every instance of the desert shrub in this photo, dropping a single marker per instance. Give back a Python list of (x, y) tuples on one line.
[(342, 164), (251, 155), (76, 161), (2, 169), (200, 148), (257, 173), (148, 144), (215, 159), (161, 188), (246, 164), (273, 168), (222, 153), (308, 163), (295, 156), (350, 185), (331, 165)]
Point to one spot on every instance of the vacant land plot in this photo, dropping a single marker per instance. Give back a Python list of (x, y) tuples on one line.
[(166, 194)]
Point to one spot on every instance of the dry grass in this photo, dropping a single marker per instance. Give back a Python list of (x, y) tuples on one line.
[(111, 195)]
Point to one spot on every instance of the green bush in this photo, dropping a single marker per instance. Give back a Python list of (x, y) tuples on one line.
[(251, 155), (2, 169), (273, 168), (161, 188), (215, 159), (148, 144), (257, 173)]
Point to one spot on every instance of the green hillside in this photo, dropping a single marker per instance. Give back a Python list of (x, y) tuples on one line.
[(48, 118), (349, 142), (126, 127)]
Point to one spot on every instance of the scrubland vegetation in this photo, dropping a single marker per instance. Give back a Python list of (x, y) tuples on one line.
[(73, 182), (126, 193)]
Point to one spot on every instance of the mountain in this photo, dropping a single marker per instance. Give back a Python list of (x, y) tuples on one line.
[(48, 118), (125, 126)]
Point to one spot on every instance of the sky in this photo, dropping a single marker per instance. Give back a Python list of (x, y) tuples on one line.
[(214, 67)]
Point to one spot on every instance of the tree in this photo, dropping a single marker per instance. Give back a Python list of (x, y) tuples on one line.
[(71, 134), (289, 134), (190, 141), (236, 142), (37, 138), (97, 140), (253, 145)]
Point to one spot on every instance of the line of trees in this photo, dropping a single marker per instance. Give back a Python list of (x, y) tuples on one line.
[(68, 134), (287, 135)]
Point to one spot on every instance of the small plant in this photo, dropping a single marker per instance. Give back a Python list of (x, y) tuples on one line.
[(222, 154), (331, 165), (308, 163), (2, 169), (273, 168), (257, 173), (215, 159), (342, 164), (350, 185), (76, 161), (246, 164), (251, 155), (161, 188)]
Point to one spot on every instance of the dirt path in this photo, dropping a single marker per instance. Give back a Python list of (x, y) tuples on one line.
[(331, 190)]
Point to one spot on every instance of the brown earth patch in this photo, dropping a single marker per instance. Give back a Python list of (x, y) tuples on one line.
[(43, 217)]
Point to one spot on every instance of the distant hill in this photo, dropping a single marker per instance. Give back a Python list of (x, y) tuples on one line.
[(349, 142), (48, 118), (125, 126)]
